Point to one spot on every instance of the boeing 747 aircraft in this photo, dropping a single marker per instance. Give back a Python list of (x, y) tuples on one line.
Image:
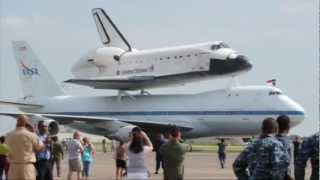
[(236, 111), (119, 66)]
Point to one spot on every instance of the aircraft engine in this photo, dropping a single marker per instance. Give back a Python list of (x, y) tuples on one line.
[(106, 55), (99, 59), (53, 125), (123, 133)]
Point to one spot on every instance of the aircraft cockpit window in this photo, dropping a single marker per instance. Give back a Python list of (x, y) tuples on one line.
[(219, 46), (215, 47), (224, 45), (271, 93)]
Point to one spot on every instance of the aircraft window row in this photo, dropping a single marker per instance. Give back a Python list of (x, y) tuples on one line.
[(274, 93), (178, 57), (174, 57)]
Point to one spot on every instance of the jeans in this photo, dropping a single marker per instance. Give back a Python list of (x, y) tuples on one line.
[(86, 168)]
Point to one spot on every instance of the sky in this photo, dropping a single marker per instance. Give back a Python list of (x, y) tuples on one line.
[(279, 37)]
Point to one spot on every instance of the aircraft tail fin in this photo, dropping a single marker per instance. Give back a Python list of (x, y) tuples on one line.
[(108, 31), (36, 81)]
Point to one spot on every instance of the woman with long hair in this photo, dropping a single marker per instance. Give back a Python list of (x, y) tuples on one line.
[(138, 146)]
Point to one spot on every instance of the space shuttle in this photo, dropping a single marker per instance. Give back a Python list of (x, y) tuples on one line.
[(117, 65)]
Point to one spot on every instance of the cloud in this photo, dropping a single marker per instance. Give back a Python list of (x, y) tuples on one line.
[(294, 7), (14, 26), (15, 20)]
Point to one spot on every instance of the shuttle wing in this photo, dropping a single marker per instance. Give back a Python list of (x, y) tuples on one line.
[(113, 78), (66, 119), (122, 83), (135, 82)]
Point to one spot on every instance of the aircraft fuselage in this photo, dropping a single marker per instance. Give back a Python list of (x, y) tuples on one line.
[(176, 65), (235, 112)]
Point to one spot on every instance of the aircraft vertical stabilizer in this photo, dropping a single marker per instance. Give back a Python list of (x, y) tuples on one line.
[(108, 31), (35, 79)]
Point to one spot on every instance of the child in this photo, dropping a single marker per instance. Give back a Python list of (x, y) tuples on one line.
[(121, 163), (87, 157)]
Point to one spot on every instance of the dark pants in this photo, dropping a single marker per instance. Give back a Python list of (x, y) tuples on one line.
[(44, 170), (222, 159), (4, 166), (56, 161), (173, 173), (159, 161)]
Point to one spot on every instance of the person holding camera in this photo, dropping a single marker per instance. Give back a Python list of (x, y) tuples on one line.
[(23, 143), (137, 148), (173, 154)]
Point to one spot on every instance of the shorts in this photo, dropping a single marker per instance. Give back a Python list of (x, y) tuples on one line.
[(75, 165), (121, 163)]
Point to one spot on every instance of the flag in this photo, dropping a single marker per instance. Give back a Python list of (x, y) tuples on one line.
[(271, 82)]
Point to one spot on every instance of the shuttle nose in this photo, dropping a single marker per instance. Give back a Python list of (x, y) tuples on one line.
[(234, 63), (242, 63)]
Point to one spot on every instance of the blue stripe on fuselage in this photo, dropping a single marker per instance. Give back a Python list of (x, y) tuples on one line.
[(175, 113)]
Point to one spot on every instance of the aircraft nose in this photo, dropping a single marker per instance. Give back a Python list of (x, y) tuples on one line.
[(300, 115), (242, 62), (298, 112), (233, 64)]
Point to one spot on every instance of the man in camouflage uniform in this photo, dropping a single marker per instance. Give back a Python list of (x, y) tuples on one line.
[(282, 136), (309, 149), (265, 158), (173, 153)]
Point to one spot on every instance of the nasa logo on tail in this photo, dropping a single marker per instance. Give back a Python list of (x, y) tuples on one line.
[(29, 71)]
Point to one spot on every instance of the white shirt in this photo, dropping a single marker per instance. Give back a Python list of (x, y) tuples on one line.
[(74, 149), (137, 160)]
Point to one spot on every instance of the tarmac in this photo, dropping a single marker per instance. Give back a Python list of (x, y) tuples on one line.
[(198, 166)]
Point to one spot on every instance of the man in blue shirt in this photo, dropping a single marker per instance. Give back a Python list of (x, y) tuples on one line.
[(43, 163)]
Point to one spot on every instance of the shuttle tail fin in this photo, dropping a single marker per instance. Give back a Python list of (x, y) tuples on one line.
[(108, 31), (36, 81)]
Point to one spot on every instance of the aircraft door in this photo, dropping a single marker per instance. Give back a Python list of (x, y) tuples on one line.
[(196, 61)]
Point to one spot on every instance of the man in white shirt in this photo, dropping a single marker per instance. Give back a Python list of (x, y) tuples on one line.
[(75, 149)]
